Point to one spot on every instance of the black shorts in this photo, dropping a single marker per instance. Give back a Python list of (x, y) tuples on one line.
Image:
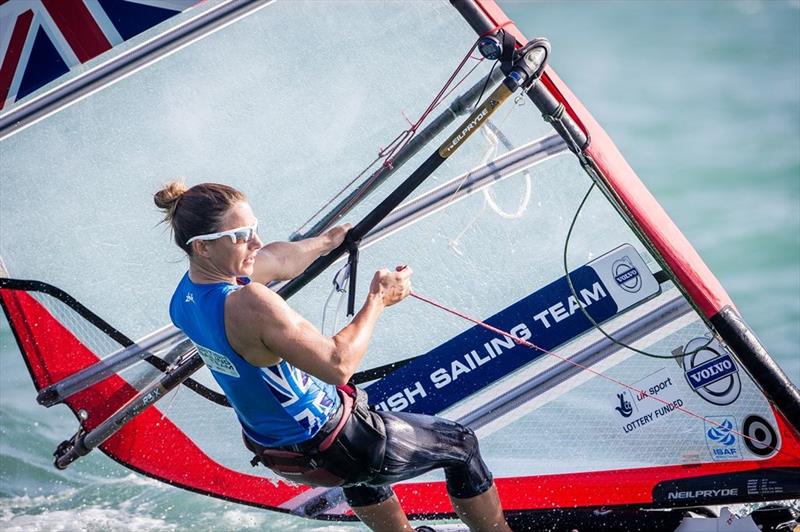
[(416, 444)]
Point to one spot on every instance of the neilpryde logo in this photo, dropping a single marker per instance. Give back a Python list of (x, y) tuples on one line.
[(626, 275), (711, 372)]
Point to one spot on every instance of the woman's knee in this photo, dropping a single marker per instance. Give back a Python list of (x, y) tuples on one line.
[(470, 442), (471, 476), (363, 495)]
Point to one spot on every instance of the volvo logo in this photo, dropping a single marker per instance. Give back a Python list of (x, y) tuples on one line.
[(711, 372), (626, 275)]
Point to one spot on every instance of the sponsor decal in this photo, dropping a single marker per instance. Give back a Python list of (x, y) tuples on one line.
[(547, 317), (710, 488), (638, 408), (711, 371), (626, 275), (721, 438), (762, 438), (703, 494), (625, 409), (216, 361), (152, 396)]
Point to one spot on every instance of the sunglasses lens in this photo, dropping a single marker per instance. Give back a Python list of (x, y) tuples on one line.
[(244, 235)]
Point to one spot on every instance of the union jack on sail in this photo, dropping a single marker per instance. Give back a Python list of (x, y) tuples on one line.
[(43, 40)]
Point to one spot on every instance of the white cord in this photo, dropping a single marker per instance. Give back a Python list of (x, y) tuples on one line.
[(339, 286), (490, 154)]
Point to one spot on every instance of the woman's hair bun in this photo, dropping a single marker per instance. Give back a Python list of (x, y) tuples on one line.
[(167, 198)]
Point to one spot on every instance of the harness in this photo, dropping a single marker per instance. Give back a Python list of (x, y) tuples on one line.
[(348, 449)]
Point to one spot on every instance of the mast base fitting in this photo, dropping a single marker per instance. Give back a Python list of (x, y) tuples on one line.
[(70, 450)]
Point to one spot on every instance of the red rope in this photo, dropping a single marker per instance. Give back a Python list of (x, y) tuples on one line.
[(521, 341)]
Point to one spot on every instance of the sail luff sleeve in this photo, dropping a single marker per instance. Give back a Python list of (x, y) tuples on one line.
[(776, 384)]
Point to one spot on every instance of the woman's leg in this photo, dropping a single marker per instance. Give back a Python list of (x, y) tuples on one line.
[(418, 443), (481, 512), (385, 516)]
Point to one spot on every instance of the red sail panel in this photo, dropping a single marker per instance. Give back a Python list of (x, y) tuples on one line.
[(150, 444)]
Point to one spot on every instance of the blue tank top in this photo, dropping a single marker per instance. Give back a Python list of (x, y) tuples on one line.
[(276, 405)]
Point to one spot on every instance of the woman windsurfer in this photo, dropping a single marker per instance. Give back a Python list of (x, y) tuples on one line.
[(287, 382)]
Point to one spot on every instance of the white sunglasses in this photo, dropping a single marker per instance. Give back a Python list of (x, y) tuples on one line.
[(240, 234)]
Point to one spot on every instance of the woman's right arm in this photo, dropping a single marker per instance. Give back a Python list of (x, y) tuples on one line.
[(286, 333)]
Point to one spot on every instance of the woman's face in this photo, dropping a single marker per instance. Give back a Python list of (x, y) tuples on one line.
[(235, 259)]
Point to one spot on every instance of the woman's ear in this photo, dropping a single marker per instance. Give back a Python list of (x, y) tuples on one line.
[(200, 247)]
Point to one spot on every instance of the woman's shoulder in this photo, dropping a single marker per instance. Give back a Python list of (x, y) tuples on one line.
[(253, 296)]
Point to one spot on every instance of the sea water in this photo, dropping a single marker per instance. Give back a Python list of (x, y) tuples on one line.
[(702, 98)]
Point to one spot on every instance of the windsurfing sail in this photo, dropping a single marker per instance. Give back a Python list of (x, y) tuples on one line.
[(627, 381)]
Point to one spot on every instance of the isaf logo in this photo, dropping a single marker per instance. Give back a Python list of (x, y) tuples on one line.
[(722, 433), (721, 438), (626, 275), (711, 371)]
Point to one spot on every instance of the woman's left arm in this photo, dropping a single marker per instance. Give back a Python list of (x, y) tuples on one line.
[(279, 261)]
